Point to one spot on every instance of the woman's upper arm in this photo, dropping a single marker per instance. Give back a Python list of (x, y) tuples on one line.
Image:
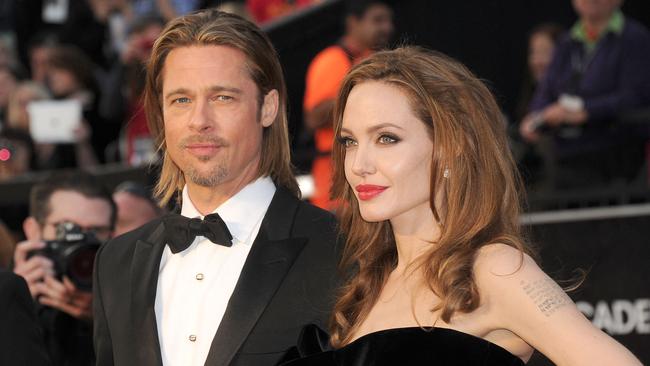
[(527, 302)]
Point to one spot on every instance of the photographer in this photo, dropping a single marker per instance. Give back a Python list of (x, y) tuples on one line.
[(74, 204)]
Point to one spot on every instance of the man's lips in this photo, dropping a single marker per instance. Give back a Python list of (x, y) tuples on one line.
[(202, 149), (369, 191)]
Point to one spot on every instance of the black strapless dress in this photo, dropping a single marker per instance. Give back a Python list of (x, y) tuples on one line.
[(400, 347)]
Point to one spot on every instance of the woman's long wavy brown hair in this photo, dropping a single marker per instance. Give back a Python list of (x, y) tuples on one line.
[(481, 196)]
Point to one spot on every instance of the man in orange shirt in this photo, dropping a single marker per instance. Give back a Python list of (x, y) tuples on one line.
[(368, 27), (264, 11)]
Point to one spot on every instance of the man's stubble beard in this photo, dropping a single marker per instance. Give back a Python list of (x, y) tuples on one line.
[(213, 178)]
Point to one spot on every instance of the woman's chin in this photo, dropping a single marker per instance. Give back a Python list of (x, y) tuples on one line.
[(373, 216)]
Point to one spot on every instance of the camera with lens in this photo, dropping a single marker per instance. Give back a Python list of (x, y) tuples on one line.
[(73, 254)]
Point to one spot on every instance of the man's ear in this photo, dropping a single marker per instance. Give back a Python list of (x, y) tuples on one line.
[(32, 229), (270, 107)]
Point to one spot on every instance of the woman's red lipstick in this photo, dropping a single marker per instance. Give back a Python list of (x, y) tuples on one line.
[(369, 191)]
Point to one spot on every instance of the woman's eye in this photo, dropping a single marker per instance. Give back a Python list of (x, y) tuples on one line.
[(387, 139), (346, 141)]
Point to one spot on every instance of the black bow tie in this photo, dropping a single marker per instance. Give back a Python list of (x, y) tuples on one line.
[(180, 231)]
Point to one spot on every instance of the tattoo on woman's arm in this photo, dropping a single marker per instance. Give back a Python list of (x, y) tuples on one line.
[(546, 294)]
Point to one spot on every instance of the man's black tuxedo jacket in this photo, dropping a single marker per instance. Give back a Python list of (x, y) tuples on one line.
[(287, 281), (20, 338)]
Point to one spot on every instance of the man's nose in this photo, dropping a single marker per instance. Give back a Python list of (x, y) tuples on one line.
[(201, 116)]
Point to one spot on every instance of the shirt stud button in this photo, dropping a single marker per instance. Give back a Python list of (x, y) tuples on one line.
[(199, 276), (192, 338)]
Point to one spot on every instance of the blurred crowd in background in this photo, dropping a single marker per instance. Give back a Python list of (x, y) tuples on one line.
[(93, 52), (581, 120)]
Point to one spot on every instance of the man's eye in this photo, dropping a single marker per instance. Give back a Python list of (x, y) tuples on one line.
[(181, 100), (346, 141), (387, 139), (223, 98)]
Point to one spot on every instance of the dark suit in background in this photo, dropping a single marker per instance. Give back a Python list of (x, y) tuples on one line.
[(21, 341)]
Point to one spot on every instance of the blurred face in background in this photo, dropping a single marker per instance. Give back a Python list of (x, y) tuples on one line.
[(540, 53), (6, 54), (38, 62), (149, 35), (132, 212), (374, 28), (62, 82), (596, 10), (140, 43), (91, 214), (7, 85)]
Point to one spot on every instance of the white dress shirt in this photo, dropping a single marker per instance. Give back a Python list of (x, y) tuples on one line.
[(195, 285)]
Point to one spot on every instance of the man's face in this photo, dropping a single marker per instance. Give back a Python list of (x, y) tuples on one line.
[(144, 40), (92, 214), (596, 9), (212, 116), (39, 63), (62, 82), (375, 27)]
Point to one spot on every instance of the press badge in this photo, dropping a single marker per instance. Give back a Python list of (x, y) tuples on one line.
[(55, 11)]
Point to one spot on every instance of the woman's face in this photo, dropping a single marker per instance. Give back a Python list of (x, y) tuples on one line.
[(540, 53), (62, 82), (387, 153)]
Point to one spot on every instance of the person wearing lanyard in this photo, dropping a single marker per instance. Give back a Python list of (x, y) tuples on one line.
[(369, 26), (599, 70)]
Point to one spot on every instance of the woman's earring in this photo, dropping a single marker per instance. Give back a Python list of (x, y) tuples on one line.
[(445, 173)]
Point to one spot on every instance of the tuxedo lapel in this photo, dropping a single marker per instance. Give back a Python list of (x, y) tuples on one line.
[(144, 278), (268, 262)]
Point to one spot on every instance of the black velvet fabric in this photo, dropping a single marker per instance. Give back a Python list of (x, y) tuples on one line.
[(401, 346)]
